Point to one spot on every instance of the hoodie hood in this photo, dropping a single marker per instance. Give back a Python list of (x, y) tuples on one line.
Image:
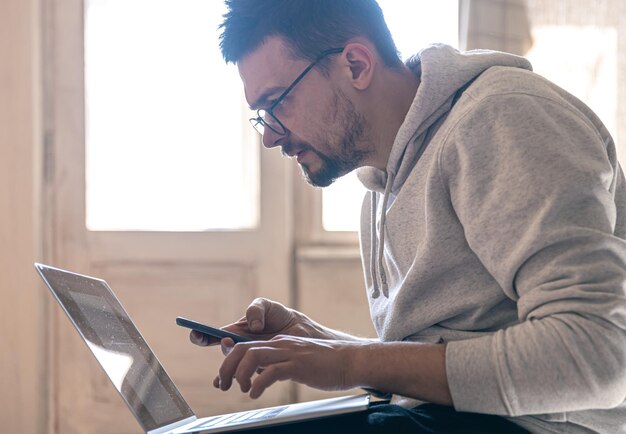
[(444, 74)]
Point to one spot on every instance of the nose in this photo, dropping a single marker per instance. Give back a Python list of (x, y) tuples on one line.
[(271, 139)]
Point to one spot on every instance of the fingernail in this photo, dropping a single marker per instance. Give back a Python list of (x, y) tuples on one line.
[(256, 325)]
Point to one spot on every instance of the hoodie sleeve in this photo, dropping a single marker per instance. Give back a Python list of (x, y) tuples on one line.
[(534, 187)]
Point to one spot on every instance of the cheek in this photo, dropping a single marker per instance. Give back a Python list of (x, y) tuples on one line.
[(325, 117), (307, 126), (331, 112), (314, 120)]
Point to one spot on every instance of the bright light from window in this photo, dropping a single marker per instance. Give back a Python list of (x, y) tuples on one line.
[(592, 77), (414, 25), (168, 147)]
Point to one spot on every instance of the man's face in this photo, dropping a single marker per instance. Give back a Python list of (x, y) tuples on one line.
[(324, 130)]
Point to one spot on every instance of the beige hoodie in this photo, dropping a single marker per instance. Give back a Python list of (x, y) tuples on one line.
[(499, 229)]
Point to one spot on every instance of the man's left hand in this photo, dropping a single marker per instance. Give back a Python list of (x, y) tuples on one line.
[(322, 364)]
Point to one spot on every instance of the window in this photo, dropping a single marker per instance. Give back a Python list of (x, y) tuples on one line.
[(413, 25), (168, 144)]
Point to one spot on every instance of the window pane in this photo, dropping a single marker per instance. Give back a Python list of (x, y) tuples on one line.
[(413, 25), (168, 143)]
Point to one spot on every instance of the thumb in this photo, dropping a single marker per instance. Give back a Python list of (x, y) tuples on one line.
[(255, 314)]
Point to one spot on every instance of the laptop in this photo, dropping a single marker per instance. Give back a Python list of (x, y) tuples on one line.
[(139, 377)]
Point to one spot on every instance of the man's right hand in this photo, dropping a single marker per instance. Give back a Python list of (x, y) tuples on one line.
[(264, 320)]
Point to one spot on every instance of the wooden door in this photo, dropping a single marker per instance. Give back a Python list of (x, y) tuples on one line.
[(208, 276)]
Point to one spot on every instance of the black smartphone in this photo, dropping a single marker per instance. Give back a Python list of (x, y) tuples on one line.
[(211, 331)]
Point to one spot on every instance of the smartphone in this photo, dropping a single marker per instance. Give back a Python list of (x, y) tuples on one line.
[(211, 331)]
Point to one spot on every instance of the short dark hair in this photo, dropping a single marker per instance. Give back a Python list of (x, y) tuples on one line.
[(307, 26)]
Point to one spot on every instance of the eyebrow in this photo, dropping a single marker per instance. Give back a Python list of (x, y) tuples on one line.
[(262, 100)]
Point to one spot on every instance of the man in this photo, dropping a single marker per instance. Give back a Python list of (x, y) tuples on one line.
[(492, 238)]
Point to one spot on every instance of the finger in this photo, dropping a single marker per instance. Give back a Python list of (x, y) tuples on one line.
[(254, 360), (255, 314), (230, 364), (227, 345), (269, 376), (201, 339)]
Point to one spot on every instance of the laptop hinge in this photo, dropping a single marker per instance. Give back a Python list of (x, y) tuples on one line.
[(173, 426)]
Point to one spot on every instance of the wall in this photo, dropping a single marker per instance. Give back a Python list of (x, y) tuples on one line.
[(22, 384)]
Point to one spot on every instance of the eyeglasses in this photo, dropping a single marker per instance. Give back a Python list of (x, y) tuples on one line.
[(267, 118)]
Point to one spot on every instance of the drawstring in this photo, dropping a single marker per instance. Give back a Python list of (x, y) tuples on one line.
[(375, 291), (381, 246)]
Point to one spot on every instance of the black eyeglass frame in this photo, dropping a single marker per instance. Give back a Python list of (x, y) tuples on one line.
[(259, 121)]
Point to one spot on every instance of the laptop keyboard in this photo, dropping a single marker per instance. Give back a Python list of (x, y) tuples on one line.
[(237, 418)]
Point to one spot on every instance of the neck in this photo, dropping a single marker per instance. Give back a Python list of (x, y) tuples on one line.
[(392, 96)]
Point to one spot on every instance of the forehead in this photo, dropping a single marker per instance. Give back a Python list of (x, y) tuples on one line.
[(268, 70)]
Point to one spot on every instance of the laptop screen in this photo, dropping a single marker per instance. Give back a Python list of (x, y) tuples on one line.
[(119, 347)]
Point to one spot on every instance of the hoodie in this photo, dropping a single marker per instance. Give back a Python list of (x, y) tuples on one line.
[(498, 228)]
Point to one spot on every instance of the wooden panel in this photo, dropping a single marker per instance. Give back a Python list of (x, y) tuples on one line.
[(331, 291)]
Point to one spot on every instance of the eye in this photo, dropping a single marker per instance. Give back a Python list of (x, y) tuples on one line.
[(282, 103)]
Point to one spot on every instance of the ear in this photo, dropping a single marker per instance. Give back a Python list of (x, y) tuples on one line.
[(361, 63)]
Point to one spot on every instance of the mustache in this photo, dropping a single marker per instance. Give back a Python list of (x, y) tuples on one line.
[(290, 148)]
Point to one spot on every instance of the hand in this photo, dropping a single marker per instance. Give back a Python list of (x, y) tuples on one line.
[(265, 319), (323, 364)]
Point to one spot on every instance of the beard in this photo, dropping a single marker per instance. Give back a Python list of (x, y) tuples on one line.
[(348, 157)]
